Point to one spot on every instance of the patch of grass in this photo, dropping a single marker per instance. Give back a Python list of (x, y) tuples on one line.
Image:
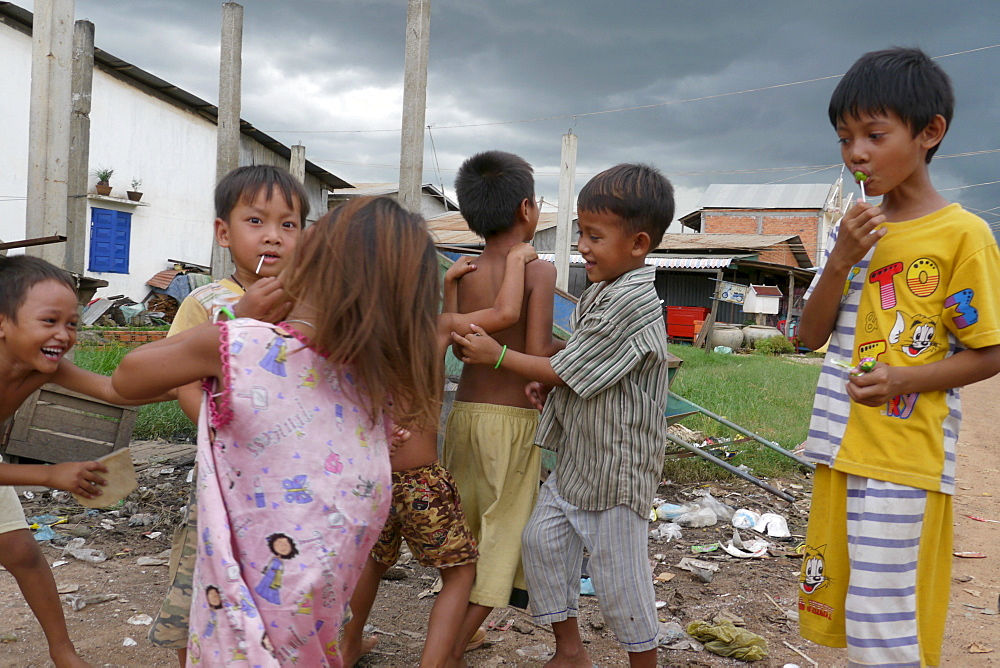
[(769, 396), (154, 421)]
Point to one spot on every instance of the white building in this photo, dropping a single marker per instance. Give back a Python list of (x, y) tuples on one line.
[(144, 128)]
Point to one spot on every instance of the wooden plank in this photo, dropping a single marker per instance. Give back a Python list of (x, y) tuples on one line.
[(80, 403), (39, 241), (125, 427), (58, 419), (22, 417), (51, 447)]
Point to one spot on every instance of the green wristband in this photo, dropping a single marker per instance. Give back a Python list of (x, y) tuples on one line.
[(502, 353)]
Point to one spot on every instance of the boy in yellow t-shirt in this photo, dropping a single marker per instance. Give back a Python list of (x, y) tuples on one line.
[(261, 211), (913, 283)]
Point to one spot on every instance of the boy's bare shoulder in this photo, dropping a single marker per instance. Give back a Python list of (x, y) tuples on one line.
[(540, 272)]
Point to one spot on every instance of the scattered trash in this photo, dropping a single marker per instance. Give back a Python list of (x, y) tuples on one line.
[(29, 495), (800, 653), (669, 511), (711, 547), (48, 519), (67, 589), (665, 576), (745, 549), (80, 602), (140, 620), (745, 518), (75, 548), (726, 640), (665, 532), (151, 561), (660, 605), (982, 519), (536, 652), (107, 525), (8, 638), (773, 525), (587, 587), (698, 517), (721, 510), (434, 589), (128, 642), (61, 562), (703, 570), (526, 629), (143, 520), (723, 350), (153, 535), (979, 648), (671, 635), (44, 532), (970, 555)]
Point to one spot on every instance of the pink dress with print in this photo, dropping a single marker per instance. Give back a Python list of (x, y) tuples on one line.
[(293, 489)]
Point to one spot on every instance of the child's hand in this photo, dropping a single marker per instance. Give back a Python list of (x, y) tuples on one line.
[(78, 478), (264, 300), (460, 268), (857, 232), (478, 347), (524, 252), (876, 387), (398, 437), (537, 393)]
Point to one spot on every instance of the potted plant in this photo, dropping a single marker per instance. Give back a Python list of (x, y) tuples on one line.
[(134, 194), (103, 175)]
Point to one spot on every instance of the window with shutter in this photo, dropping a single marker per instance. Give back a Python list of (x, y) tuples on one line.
[(110, 231)]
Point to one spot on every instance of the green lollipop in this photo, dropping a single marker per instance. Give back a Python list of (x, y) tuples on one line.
[(861, 178)]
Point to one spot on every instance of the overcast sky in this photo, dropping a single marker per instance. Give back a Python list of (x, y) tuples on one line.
[(728, 92)]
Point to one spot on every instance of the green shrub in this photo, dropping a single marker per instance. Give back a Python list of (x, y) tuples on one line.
[(775, 345)]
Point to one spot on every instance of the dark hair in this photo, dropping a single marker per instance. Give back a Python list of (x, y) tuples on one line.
[(20, 273), (273, 538), (380, 262), (243, 183), (638, 194), (490, 187), (905, 82), (218, 593)]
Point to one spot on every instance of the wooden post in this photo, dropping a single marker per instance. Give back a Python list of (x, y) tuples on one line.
[(48, 125), (791, 298), (77, 226), (228, 138), (297, 162), (411, 150), (710, 323), (564, 217)]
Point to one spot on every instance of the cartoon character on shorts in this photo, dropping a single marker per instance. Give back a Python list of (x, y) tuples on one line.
[(812, 577)]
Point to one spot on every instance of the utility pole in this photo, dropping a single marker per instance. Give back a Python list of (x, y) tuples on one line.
[(79, 147), (411, 153), (228, 138), (297, 162), (564, 217), (48, 126)]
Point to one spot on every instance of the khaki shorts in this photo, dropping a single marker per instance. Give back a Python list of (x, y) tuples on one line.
[(11, 513), (427, 512)]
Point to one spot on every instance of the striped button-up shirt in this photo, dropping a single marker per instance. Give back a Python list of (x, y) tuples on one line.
[(607, 424)]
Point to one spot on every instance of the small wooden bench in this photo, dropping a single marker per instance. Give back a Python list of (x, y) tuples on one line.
[(56, 425)]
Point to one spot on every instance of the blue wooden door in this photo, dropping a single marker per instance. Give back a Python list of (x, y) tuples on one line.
[(110, 232)]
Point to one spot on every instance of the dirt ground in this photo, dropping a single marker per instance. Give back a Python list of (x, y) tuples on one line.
[(762, 592)]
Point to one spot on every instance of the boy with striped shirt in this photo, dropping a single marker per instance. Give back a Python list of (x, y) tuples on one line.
[(912, 283), (604, 419)]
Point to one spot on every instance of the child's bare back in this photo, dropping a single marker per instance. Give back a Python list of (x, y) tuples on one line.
[(531, 334)]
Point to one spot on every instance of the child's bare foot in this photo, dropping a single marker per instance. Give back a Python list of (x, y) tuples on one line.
[(567, 659), (350, 656), (66, 657)]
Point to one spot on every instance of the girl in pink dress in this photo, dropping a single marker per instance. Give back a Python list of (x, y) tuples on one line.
[(294, 483)]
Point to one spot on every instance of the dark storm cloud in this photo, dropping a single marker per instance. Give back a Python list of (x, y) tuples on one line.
[(314, 65)]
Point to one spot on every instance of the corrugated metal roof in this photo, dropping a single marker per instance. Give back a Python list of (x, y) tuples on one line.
[(451, 228), (765, 196), (163, 279), (665, 262), (713, 241)]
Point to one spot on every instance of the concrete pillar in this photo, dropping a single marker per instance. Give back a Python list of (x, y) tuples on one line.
[(297, 162), (564, 216), (48, 128), (228, 141), (411, 154), (79, 147)]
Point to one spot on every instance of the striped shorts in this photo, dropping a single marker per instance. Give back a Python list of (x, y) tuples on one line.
[(876, 570), (552, 547)]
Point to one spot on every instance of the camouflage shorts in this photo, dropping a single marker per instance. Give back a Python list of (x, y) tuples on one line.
[(427, 512), (170, 628)]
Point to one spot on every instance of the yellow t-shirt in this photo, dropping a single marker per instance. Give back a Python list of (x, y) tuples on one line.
[(203, 304), (929, 288)]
